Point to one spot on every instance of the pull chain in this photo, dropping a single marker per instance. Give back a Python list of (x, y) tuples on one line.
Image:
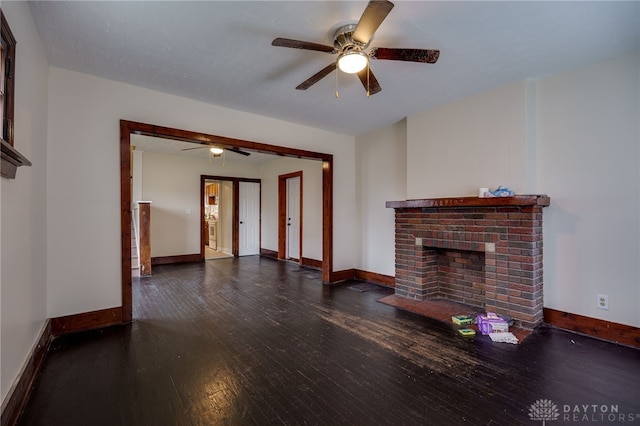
[(337, 95)]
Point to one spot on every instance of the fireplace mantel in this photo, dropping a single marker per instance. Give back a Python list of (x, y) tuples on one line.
[(515, 201)]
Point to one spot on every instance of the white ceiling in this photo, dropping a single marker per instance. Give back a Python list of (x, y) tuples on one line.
[(220, 51), (174, 147)]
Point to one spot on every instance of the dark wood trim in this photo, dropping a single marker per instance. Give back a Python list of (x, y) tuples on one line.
[(282, 214), (327, 220), (606, 330), (515, 201), (125, 218), (307, 262), (17, 397), (11, 157), (181, 258), (144, 223), (282, 218), (86, 321), (339, 276), (129, 127), (372, 277), (272, 254), (312, 263), (222, 141), (10, 93), (235, 231), (11, 160), (202, 230)]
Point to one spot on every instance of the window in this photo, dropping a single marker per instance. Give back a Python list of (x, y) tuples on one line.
[(11, 158), (7, 68)]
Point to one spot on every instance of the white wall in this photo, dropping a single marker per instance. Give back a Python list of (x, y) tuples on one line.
[(481, 138), (83, 177), (23, 289), (381, 164), (172, 184), (589, 162), (580, 132), (311, 209)]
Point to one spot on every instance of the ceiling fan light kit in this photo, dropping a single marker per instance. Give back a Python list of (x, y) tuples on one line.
[(352, 62), (216, 151), (351, 42)]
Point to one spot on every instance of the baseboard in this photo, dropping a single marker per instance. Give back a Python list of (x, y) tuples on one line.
[(182, 258), (86, 321), (312, 263), (18, 395), (344, 275), (373, 277), (269, 253), (614, 332)]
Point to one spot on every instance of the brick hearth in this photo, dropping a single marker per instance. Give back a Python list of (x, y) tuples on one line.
[(483, 252)]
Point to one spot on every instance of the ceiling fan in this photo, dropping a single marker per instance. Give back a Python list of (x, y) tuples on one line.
[(216, 151), (351, 42)]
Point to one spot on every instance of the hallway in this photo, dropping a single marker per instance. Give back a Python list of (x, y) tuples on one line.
[(245, 341)]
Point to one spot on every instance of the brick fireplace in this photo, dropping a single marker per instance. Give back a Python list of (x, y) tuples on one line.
[(483, 252)]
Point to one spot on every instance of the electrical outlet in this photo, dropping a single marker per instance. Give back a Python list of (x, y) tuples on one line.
[(602, 301), (187, 211)]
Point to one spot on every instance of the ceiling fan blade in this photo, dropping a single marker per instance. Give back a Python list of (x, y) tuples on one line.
[(317, 77), (238, 151), (412, 55), (197, 147), (299, 44), (371, 19), (369, 82)]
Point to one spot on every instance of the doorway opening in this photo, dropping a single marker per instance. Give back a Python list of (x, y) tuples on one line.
[(130, 127), (231, 213), (217, 224)]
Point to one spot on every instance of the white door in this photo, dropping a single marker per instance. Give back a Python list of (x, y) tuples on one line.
[(293, 218), (249, 209)]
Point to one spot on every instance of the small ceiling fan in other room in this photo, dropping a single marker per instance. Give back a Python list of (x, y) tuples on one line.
[(351, 44), (216, 151)]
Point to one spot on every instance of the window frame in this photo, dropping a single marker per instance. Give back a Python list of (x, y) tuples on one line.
[(8, 80)]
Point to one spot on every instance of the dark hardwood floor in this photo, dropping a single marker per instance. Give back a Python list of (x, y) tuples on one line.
[(253, 341)]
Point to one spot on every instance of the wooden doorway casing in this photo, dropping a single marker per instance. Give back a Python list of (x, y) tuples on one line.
[(236, 209), (131, 127), (282, 214)]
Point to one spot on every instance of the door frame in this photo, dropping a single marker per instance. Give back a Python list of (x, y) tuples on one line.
[(128, 127), (282, 214), (235, 228)]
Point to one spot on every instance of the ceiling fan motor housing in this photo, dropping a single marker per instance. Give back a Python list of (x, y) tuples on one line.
[(343, 40)]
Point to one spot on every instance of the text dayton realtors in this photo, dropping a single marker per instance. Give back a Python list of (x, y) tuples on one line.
[(596, 413)]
